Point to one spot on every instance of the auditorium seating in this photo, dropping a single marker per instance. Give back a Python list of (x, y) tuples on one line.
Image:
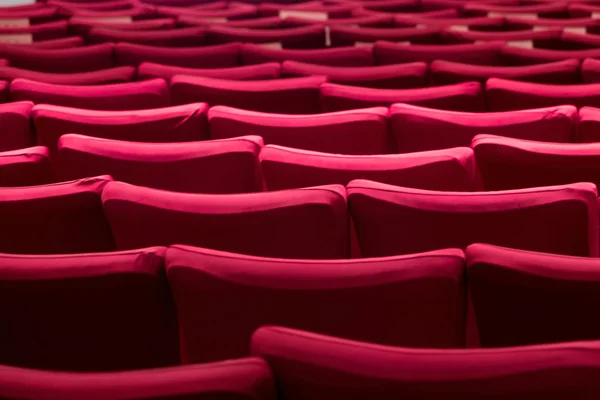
[(287, 168), (343, 56), (415, 300), (219, 56), (313, 366), (263, 71), (110, 75), (394, 220), (15, 122), (215, 166), (25, 167)]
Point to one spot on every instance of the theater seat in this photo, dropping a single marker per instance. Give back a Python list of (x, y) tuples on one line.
[(467, 96), (342, 56), (522, 297), (558, 72), (319, 367), (506, 163), (416, 300), (397, 220), (186, 123), (505, 95), (287, 168), (397, 76), (298, 37), (212, 166), (249, 72), (289, 96), (303, 223), (219, 56), (521, 56), (64, 217), (361, 131), (243, 379), (418, 128), (110, 75), (590, 70), (487, 53), (589, 124), (16, 126), (180, 37), (153, 93), (69, 60), (87, 312), (25, 167), (360, 35)]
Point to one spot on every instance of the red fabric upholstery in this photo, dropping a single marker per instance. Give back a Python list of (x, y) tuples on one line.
[(62, 43), (396, 220), (82, 25), (418, 128), (232, 10), (58, 218), (520, 38), (44, 31), (330, 10), (398, 76), (304, 223), (290, 96), (111, 75), (287, 168), (544, 9), (521, 297), (318, 367), (519, 56), (343, 56), (466, 96), (193, 36), (416, 300), (589, 124), (301, 37), (250, 72), (506, 163), (505, 95), (72, 324), (16, 126), (216, 166), (451, 23), (152, 93), (346, 132), (244, 379), (76, 59), (590, 70), (184, 123), (221, 56), (557, 72), (479, 53), (25, 167), (350, 35)]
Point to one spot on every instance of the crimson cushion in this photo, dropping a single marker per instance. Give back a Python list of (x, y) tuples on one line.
[(416, 300), (397, 220), (342, 56), (110, 75), (221, 56), (347, 132), (486, 53), (16, 126), (148, 70), (87, 312), (215, 166), (301, 223), (64, 217), (25, 167)]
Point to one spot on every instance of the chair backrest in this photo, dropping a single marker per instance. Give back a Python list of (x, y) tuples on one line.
[(220, 56), (25, 167), (343, 56), (16, 125)]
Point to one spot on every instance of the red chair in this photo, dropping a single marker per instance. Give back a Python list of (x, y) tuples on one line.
[(397, 76), (220, 56), (522, 297), (506, 163), (71, 324), (152, 93), (418, 128), (57, 218), (587, 128), (248, 72), (110, 75), (319, 367), (185, 123), (342, 57), (248, 379), (16, 131), (353, 36), (303, 223), (288, 168), (347, 132), (193, 36), (416, 300), (299, 37), (393, 220), (212, 166), (487, 53), (289, 96), (466, 96), (25, 167)]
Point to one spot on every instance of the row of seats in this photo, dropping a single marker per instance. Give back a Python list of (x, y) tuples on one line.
[(154, 307), (393, 76), (99, 214), (402, 128), (293, 364), (302, 95), (243, 165)]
